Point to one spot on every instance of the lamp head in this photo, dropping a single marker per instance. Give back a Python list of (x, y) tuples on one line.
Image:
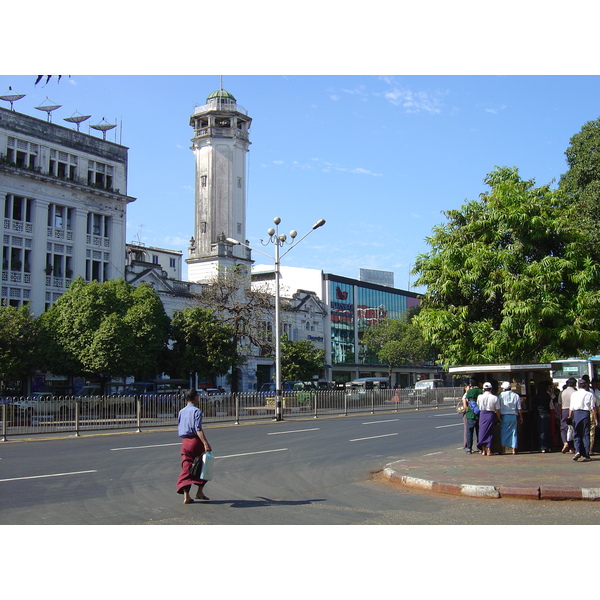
[(318, 224), (270, 231)]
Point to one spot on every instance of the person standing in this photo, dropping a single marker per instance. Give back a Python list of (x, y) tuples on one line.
[(193, 444), (564, 401), (471, 414), (582, 407), (542, 405), (511, 412), (596, 391), (489, 412)]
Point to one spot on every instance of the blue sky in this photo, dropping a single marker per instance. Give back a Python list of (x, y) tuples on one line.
[(378, 157)]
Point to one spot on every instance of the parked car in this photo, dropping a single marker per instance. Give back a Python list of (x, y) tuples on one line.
[(428, 391), (44, 404)]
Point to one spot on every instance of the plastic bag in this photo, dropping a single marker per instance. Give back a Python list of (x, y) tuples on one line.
[(570, 433), (207, 466)]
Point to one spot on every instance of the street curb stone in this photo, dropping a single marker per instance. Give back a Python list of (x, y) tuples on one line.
[(493, 492)]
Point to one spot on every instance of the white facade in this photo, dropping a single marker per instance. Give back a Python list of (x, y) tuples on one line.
[(220, 143), (64, 202), (162, 270)]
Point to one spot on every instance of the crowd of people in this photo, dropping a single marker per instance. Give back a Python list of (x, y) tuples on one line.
[(565, 419)]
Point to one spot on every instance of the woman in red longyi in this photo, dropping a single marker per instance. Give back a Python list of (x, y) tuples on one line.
[(193, 444)]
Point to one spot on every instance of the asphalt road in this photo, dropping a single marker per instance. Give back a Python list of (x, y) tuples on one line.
[(297, 472)]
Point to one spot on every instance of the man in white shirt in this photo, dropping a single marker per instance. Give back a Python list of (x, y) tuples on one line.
[(582, 404)]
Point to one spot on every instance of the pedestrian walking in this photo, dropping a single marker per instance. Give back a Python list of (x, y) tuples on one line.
[(596, 391), (511, 413), (489, 414), (564, 402), (193, 444), (581, 412)]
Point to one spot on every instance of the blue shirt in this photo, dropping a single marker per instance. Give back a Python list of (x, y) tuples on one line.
[(189, 420)]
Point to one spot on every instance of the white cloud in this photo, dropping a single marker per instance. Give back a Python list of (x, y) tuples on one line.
[(413, 101), (495, 111)]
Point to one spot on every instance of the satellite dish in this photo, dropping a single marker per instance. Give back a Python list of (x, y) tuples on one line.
[(11, 97), (103, 126), (77, 118), (48, 108)]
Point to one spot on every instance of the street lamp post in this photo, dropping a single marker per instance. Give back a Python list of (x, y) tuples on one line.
[(278, 241)]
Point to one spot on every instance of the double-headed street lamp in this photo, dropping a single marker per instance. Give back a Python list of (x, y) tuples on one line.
[(279, 241)]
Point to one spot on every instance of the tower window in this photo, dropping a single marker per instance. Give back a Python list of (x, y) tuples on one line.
[(203, 179)]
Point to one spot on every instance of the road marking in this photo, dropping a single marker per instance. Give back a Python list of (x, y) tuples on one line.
[(433, 453), (152, 446), (294, 431), (375, 422), (44, 476), (372, 437), (251, 453), (453, 425), (452, 414)]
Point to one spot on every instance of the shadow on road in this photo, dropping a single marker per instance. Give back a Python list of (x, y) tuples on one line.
[(261, 503)]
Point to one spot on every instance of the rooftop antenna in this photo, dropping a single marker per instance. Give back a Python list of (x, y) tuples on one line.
[(11, 97), (48, 108), (77, 118)]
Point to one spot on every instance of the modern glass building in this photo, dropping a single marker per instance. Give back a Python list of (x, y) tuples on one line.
[(354, 306)]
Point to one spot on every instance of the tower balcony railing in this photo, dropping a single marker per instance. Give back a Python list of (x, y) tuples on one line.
[(222, 132), (220, 104)]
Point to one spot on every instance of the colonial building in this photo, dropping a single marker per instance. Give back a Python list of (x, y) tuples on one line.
[(162, 269), (64, 202)]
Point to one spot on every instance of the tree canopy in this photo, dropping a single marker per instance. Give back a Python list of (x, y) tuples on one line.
[(300, 360), (202, 343), (397, 342), (18, 342), (108, 328), (510, 277)]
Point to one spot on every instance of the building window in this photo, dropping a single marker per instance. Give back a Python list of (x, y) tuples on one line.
[(172, 263), (98, 225), (100, 175), (17, 208), (22, 153), (203, 180), (154, 259)]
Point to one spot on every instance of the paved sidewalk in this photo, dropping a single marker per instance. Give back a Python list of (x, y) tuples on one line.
[(530, 475)]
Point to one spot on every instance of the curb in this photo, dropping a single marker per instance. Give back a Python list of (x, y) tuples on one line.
[(491, 491)]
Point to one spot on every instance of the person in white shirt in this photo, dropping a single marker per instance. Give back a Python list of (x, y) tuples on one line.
[(582, 404), (511, 412), (489, 412)]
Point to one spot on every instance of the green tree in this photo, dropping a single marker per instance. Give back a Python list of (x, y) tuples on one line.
[(397, 342), (300, 360), (244, 308), (510, 278), (19, 343), (581, 183), (108, 329), (202, 343)]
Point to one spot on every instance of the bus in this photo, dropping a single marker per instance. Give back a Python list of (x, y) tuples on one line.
[(563, 369)]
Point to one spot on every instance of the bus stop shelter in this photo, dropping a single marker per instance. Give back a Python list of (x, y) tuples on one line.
[(523, 379)]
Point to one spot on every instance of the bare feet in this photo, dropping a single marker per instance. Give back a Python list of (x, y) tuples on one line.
[(201, 496), (187, 499)]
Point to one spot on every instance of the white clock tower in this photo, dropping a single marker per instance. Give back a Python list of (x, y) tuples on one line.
[(220, 143)]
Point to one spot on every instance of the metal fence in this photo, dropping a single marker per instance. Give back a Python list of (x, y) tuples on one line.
[(74, 415)]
